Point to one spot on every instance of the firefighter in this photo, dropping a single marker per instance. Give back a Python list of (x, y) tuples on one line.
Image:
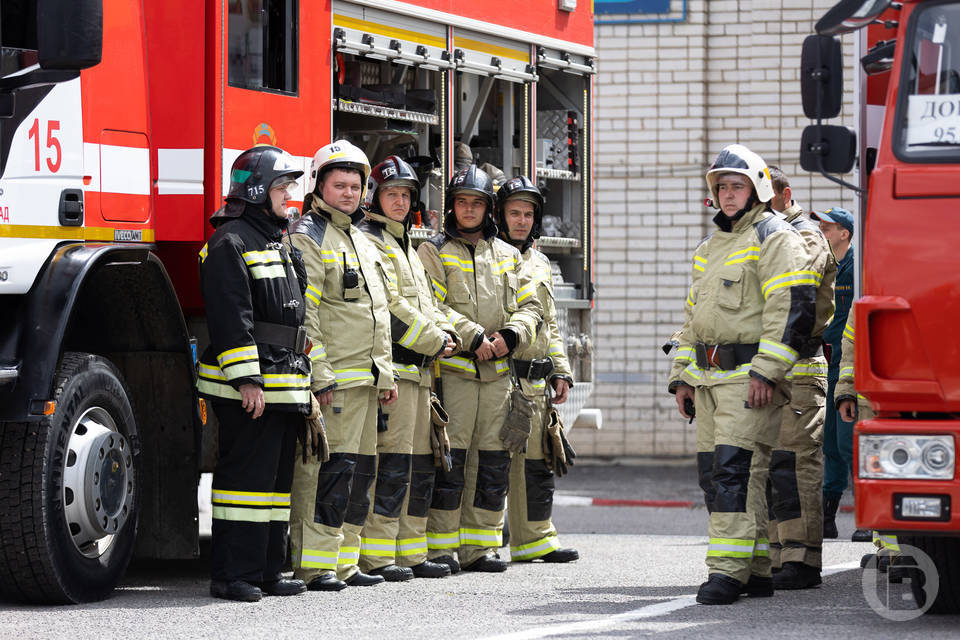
[(477, 282), (750, 313), (396, 529), (348, 322), (255, 374), (796, 465), (851, 407), (837, 225), (530, 500)]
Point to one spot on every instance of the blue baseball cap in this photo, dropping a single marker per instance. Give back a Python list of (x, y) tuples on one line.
[(836, 215)]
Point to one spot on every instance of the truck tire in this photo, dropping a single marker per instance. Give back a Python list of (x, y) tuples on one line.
[(69, 497), (945, 553)]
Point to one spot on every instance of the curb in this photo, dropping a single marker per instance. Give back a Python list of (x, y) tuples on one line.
[(583, 501)]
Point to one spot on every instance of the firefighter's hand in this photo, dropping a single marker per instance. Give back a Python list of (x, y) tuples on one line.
[(251, 397), (759, 395), (485, 350), (449, 347), (684, 392), (325, 398), (560, 390), (389, 396), (848, 409), (500, 348)]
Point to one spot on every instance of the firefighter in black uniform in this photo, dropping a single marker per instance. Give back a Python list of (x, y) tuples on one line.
[(255, 374)]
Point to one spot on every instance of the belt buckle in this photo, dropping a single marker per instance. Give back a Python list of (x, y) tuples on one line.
[(700, 349), (301, 344), (713, 358)]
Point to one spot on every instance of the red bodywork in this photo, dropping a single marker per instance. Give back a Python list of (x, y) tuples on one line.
[(907, 352)]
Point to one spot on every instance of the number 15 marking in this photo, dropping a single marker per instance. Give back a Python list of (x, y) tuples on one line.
[(53, 126)]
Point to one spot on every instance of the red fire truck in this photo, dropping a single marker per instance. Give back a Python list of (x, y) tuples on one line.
[(119, 120), (907, 360)]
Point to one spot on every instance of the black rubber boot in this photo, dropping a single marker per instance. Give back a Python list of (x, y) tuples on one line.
[(830, 506), (719, 589), (427, 569), (326, 582), (487, 564), (861, 535), (393, 573), (758, 587), (283, 587), (797, 575), (562, 555), (360, 579), (450, 561), (235, 590)]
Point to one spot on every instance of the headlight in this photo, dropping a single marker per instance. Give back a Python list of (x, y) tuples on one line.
[(898, 456)]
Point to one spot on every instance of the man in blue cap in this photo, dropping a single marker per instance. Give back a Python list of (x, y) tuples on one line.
[(837, 226)]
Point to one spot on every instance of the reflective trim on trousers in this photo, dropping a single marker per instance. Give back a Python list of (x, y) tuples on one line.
[(379, 547), (535, 549), (443, 540), (349, 555), (243, 514), (481, 537), (730, 548), (762, 548), (411, 546), (314, 559)]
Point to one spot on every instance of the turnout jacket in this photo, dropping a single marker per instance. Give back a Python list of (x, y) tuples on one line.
[(417, 326), (820, 259), (845, 385), (247, 276), (535, 269), (751, 285), (481, 291), (350, 335)]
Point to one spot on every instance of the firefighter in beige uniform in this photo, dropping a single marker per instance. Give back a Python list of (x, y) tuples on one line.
[(796, 466), (396, 529), (476, 280), (751, 308), (349, 324), (854, 407), (530, 501)]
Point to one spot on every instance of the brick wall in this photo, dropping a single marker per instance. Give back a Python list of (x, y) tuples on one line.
[(669, 96)]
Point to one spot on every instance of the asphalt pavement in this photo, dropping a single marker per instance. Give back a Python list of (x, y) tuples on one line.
[(639, 570)]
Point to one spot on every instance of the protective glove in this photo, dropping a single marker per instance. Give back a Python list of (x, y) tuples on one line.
[(314, 439), (439, 441), (518, 423), (557, 452)]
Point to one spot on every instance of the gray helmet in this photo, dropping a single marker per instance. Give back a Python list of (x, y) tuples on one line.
[(256, 169)]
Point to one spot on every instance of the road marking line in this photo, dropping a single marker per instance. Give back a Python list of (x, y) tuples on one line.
[(649, 611)]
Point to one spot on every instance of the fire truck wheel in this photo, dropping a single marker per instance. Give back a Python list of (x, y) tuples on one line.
[(68, 490), (945, 553)]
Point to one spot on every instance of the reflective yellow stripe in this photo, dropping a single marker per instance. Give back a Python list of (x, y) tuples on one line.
[(348, 555), (203, 254), (737, 257), (235, 355), (536, 549), (241, 514), (412, 334), (460, 363), (313, 294), (778, 350), (685, 354), (481, 537), (846, 372), (502, 365), (450, 260), (730, 548), (262, 257), (352, 375), (504, 265), (848, 332), (316, 559), (790, 279), (439, 291), (699, 263), (104, 234), (690, 301), (329, 256), (379, 547), (411, 546), (318, 351), (524, 293), (443, 540)]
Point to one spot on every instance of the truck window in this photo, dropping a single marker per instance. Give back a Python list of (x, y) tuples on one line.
[(263, 43), (18, 35), (928, 110)]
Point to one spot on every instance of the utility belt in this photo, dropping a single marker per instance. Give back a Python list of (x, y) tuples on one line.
[(402, 355), (282, 335), (724, 356), (533, 369)]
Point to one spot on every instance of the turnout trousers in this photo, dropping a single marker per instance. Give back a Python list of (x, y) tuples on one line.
[(406, 419), (733, 460), (466, 511), (330, 500), (530, 500), (796, 473), (251, 492)]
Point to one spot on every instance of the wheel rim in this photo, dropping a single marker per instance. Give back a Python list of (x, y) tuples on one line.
[(98, 482)]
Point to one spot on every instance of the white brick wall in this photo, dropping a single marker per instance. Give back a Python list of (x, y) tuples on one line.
[(669, 96)]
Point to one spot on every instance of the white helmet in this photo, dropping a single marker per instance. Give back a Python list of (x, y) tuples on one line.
[(341, 154), (736, 158)]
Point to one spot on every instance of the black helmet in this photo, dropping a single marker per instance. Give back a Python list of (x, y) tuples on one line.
[(474, 181), (255, 170), (392, 172), (521, 188)]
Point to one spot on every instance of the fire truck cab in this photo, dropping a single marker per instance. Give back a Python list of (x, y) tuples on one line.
[(119, 121)]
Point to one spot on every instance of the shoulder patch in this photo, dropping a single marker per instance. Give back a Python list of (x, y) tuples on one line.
[(802, 223), (770, 225), (315, 227), (371, 228), (438, 239)]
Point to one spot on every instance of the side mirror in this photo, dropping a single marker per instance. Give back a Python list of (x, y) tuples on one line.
[(880, 58), (821, 77), (828, 149), (849, 15), (69, 34)]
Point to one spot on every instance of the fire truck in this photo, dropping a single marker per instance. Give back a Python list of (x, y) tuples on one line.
[(119, 121), (907, 350)]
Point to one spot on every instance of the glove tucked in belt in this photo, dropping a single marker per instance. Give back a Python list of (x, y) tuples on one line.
[(724, 356), (533, 369)]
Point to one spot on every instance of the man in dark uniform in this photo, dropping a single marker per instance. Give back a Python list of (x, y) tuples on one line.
[(256, 375)]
